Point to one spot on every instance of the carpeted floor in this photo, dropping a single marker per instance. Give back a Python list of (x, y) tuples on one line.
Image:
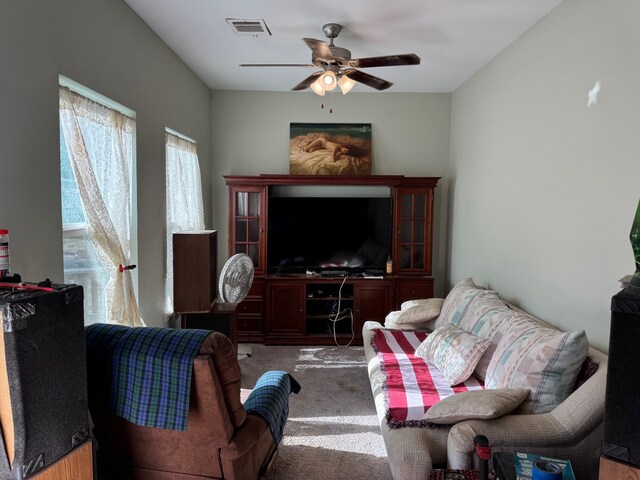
[(332, 431)]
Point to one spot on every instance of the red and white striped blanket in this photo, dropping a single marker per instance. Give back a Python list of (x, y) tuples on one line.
[(411, 385)]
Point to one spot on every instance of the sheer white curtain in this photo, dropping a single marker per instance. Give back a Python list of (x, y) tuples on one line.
[(100, 145), (185, 209)]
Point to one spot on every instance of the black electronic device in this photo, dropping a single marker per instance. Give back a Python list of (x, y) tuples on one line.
[(43, 380), (621, 438), (334, 273), (323, 234)]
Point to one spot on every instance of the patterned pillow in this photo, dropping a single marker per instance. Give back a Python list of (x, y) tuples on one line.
[(486, 316), (588, 370), (544, 360), (452, 351), (459, 298)]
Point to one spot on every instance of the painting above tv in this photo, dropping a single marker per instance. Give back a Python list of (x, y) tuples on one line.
[(318, 234), (330, 149)]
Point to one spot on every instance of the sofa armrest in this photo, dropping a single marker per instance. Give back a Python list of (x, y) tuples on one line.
[(569, 430), (245, 437), (540, 430), (250, 450)]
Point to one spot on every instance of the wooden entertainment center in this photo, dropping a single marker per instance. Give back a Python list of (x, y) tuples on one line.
[(294, 308)]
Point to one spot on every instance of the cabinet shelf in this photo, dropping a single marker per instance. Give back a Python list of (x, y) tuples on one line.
[(348, 298), (318, 317)]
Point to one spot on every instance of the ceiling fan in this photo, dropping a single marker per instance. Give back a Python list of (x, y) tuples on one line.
[(338, 68)]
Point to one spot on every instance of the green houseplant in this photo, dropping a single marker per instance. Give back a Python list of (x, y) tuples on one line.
[(634, 285)]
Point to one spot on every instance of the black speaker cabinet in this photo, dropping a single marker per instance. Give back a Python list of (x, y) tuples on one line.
[(195, 271), (622, 406), (43, 381)]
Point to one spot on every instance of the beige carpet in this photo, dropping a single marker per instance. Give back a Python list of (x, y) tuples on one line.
[(332, 431)]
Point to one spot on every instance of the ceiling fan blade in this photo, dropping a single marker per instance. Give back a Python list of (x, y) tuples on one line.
[(308, 81), (369, 80), (276, 65), (320, 48), (385, 61)]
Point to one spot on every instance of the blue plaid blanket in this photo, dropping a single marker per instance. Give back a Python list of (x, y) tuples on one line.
[(142, 374), (270, 399)]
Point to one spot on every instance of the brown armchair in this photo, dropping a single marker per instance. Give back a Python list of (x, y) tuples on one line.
[(221, 441)]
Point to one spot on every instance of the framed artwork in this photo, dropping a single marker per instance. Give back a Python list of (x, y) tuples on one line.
[(330, 149)]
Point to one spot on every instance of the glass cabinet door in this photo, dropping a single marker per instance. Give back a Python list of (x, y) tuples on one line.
[(413, 234), (247, 229)]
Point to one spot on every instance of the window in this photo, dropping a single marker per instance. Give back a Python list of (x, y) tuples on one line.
[(185, 210), (96, 169)]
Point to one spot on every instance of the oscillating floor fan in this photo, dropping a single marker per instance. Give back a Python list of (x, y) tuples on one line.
[(236, 278)]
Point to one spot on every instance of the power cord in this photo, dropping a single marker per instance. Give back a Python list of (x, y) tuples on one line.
[(339, 315)]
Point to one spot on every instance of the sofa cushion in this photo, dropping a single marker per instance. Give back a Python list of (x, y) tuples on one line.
[(457, 301), (452, 351), (542, 359), (480, 404), (413, 314), (405, 386)]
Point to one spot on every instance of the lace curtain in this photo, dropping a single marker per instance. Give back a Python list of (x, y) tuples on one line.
[(185, 209), (100, 145)]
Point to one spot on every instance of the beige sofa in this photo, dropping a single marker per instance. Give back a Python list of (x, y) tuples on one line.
[(571, 430)]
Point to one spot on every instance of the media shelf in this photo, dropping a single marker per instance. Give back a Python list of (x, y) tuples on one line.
[(278, 309), (329, 308), (301, 307)]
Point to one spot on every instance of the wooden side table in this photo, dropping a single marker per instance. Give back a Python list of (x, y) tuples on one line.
[(222, 318), (76, 465), (611, 469)]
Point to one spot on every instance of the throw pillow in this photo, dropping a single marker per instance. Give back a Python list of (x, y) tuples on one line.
[(421, 312), (452, 351), (544, 360), (481, 404), (457, 301), (486, 316), (390, 322), (419, 301)]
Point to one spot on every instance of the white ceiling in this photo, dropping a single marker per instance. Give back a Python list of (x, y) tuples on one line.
[(454, 38)]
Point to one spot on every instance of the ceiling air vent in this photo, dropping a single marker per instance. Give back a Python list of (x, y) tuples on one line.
[(248, 28)]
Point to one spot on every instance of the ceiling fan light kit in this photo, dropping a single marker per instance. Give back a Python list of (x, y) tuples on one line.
[(317, 87), (338, 68), (345, 84), (327, 82)]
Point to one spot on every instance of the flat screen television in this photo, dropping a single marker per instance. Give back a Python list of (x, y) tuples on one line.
[(351, 234)]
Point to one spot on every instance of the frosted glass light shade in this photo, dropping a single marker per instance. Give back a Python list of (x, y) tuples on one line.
[(317, 87), (328, 79), (345, 84)]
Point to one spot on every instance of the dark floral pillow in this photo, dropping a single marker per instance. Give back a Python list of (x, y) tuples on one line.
[(588, 369)]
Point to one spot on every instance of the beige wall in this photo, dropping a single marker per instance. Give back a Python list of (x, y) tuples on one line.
[(545, 187), (103, 45), (410, 134), (538, 189)]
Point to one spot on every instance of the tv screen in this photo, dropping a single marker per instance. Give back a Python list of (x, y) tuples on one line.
[(325, 233)]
